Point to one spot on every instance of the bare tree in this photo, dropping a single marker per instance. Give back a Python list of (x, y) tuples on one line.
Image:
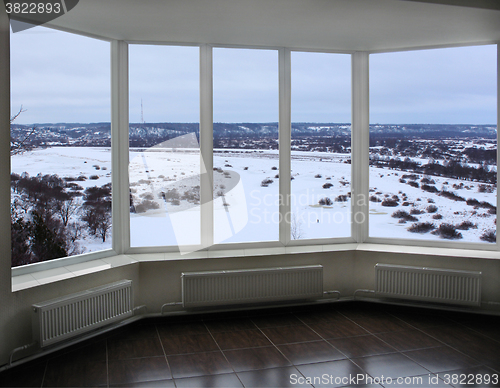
[(21, 145), (296, 228), (65, 209)]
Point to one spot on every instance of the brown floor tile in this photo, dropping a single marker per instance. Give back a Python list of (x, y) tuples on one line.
[(216, 381), (255, 358), (276, 320), (377, 322), (390, 365), (135, 331), (74, 373), (290, 334), (341, 327), (409, 340), (310, 352), (423, 320), (314, 317), (241, 339), (275, 377), (331, 374), (138, 370), (183, 344), (198, 364), (124, 349), (24, 376), (470, 342), (184, 328), (146, 384), (90, 352), (441, 359), (365, 345), (220, 326)]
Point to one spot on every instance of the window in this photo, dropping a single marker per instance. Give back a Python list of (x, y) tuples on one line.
[(164, 168), (321, 145), (60, 145), (246, 156), (433, 144)]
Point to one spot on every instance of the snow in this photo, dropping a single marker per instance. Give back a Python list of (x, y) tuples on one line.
[(247, 211)]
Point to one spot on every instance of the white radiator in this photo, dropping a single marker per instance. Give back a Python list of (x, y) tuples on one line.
[(71, 315), (428, 284), (213, 288)]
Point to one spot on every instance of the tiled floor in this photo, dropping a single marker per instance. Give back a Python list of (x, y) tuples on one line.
[(340, 344)]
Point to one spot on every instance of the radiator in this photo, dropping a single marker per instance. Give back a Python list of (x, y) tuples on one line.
[(214, 288), (428, 284), (72, 315)]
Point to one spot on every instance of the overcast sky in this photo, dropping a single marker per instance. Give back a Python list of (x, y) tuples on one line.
[(59, 77)]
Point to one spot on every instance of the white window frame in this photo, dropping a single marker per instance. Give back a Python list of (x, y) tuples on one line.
[(359, 166)]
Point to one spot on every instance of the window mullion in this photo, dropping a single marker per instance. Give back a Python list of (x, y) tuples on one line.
[(206, 146), (119, 146), (285, 126), (360, 142)]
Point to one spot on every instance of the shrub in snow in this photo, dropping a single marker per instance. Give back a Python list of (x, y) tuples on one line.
[(341, 198), (431, 209), (466, 225), (401, 180), (245, 168), (325, 201), (266, 182), (413, 184), (416, 211), (318, 176), (146, 205), (374, 198), (421, 227), (404, 216), (448, 231), (437, 216), (147, 196), (327, 185), (485, 189), (94, 177), (276, 176), (489, 236), (472, 202), (405, 203), (451, 195), (430, 189), (427, 181), (389, 202)]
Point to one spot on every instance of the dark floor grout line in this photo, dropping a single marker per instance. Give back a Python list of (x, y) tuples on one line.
[(107, 364), (225, 357), (44, 372), (165, 354)]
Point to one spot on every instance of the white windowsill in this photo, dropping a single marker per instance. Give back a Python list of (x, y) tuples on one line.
[(25, 281)]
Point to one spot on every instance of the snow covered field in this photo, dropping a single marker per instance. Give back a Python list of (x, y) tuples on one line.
[(246, 195)]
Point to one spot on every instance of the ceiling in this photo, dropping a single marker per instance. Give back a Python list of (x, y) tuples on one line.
[(343, 25)]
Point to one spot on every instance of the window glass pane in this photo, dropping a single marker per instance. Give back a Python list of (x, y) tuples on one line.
[(60, 145), (433, 144), (164, 169), (246, 93), (321, 145)]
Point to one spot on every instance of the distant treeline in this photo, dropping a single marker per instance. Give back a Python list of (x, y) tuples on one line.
[(450, 169)]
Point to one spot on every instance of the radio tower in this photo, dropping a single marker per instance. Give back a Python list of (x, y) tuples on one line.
[(142, 113)]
